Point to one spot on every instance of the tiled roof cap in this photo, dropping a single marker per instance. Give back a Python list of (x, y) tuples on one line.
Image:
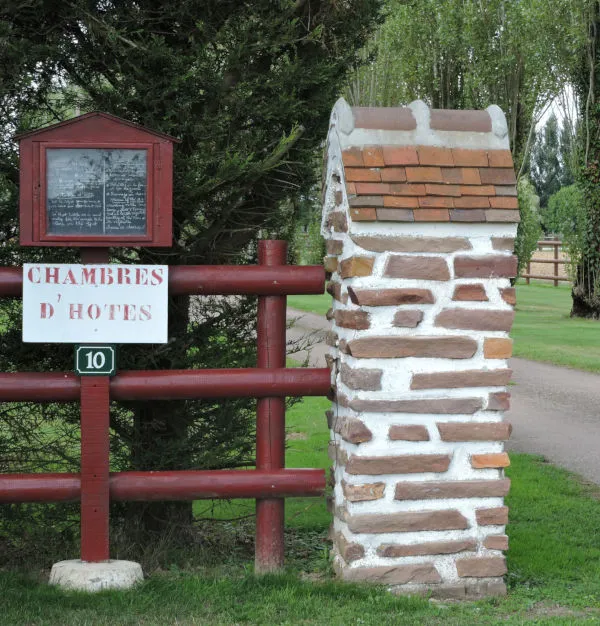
[(417, 124)]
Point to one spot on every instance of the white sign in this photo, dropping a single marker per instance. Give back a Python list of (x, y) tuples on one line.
[(95, 303)]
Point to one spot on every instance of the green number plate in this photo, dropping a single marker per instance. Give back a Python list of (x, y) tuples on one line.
[(95, 360)]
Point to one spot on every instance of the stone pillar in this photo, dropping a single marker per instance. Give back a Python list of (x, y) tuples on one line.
[(420, 213)]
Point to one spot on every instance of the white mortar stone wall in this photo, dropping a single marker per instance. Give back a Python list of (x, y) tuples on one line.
[(361, 432)]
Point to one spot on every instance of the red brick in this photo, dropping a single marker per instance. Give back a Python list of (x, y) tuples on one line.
[(481, 190), (406, 522), (471, 293), (402, 202), (498, 401), (474, 431), (424, 573), (408, 432), (431, 155), (407, 319), (334, 246), (462, 176), (504, 202), (363, 214), (330, 264), (509, 295), (373, 156), (390, 297), (446, 347), (461, 120), (400, 155), (497, 176), (424, 175), (366, 201), (352, 157), (395, 215), (388, 118), (489, 266), (470, 158), (506, 191), (467, 215), (432, 215), (393, 175), (492, 517), (481, 567), (392, 550), (442, 190), (503, 216), (363, 493), (411, 244), (372, 188), (352, 430), (337, 221), (490, 461), (496, 542), (334, 289), (497, 348), (500, 158), (357, 266), (417, 267), (361, 378), (463, 378), (446, 406), (475, 319), (472, 202), (408, 189), (443, 489), (503, 243), (405, 464), (350, 189), (357, 320), (337, 454), (436, 202), (355, 174), (349, 551)]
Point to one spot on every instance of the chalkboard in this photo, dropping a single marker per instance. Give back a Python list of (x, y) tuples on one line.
[(92, 191)]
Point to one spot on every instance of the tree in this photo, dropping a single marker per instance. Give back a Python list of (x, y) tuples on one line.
[(547, 169), (461, 54), (586, 283), (248, 88)]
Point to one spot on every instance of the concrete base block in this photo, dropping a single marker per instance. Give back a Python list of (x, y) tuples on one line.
[(84, 576)]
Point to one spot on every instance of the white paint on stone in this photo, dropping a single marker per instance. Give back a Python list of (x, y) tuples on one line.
[(84, 576)]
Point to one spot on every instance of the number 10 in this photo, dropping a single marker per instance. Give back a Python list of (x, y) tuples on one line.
[(95, 360)]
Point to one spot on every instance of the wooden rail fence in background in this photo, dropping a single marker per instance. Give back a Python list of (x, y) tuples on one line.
[(556, 277)]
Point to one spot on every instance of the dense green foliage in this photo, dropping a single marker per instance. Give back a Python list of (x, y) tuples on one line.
[(529, 229), (586, 287), (248, 88), (463, 54), (549, 162)]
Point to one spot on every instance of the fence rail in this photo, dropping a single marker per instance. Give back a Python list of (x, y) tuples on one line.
[(556, 262)]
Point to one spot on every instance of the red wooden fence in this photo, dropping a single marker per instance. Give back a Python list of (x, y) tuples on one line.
[(269, 483)]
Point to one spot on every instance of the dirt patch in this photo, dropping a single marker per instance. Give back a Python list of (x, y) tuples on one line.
[(292, 436)]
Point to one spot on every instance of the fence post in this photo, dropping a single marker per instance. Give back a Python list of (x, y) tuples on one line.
[(270, 416), (95, 418), (556, 266)]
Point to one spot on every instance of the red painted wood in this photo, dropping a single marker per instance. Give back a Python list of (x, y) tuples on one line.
[(95, 453), (270, 416), (95, 130), (181, 485), (170, 384), (216, 280), (94, 468)]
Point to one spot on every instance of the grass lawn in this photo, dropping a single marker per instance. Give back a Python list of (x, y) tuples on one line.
[(543, 330), (554, 565)]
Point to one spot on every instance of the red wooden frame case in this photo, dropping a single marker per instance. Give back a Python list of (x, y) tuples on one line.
[(96, 131)]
